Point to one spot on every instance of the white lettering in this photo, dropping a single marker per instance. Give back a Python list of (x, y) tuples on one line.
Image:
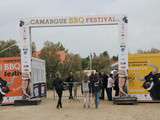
[(11, 66)]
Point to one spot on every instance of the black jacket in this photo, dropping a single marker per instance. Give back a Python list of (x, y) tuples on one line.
[(70, 81), (58, 84)]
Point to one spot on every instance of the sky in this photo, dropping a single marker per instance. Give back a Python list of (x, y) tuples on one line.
[(143, 27)]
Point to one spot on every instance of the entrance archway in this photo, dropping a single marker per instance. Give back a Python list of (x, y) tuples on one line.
[(27, 24)]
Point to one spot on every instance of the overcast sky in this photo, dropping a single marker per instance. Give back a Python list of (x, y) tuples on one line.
[(143, 26)]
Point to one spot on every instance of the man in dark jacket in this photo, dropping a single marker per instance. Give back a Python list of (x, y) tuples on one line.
[(97, 88), (91, 83), (58, 85), (116, 85), (70, 80), (104, 78)]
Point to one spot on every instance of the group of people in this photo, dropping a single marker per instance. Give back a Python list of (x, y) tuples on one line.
[(95, 85), (92, 87)]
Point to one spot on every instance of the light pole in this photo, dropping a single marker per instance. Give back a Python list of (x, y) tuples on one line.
[(90, 61)]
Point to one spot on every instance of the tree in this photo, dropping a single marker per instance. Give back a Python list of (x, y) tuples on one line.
[(75, 62), (101, 62), (105, 54), (9, 48), (53, 64), (49, 52), (85, 63), (140, 51), (33, 47), (72, 63), (114, 58), (152, 50)]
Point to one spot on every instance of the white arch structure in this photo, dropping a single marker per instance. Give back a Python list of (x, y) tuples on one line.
[(28, 23)]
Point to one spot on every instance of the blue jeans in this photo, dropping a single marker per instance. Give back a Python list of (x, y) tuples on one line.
[(97, 100), (109, 94)]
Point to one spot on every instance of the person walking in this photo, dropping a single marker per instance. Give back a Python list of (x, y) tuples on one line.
[(85, 92), (109, 87), (58, 85)]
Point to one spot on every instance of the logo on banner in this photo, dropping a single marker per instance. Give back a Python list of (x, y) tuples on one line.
[(123, 47), (25, 66), (24, 38), (26, 70), (21, 23), (25, 51), (123, 63), (123, 67), (122, 35), (26, 62), (125, 19)]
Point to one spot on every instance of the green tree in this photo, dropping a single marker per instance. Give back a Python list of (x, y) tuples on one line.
[(114, 58), (49, 54), (101, 62), (152, 50), (85, 63), (33, 47), (9, 48), (75, 62), (72, 63)]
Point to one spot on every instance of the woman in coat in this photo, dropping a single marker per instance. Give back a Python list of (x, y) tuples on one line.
[(58, 85)]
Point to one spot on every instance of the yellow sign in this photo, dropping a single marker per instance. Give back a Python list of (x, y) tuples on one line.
[(140, 65), (74, 20)]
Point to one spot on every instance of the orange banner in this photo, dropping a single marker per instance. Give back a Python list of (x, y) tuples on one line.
[(10, 70)]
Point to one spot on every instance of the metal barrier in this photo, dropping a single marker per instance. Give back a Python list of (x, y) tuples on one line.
[(77, 94)]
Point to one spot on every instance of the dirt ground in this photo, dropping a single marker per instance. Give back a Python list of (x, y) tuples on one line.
[(73, 110)]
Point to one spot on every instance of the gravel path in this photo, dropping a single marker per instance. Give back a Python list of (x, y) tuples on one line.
[(73, 110)]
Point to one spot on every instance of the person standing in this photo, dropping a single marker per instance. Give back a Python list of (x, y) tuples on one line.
[(26, 87), (116, 85), (91, 83), (109, 87), (102, 88), (97, 87), (58, 85), (104, 85), (91, 87), (70, 80), (85, 92)]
